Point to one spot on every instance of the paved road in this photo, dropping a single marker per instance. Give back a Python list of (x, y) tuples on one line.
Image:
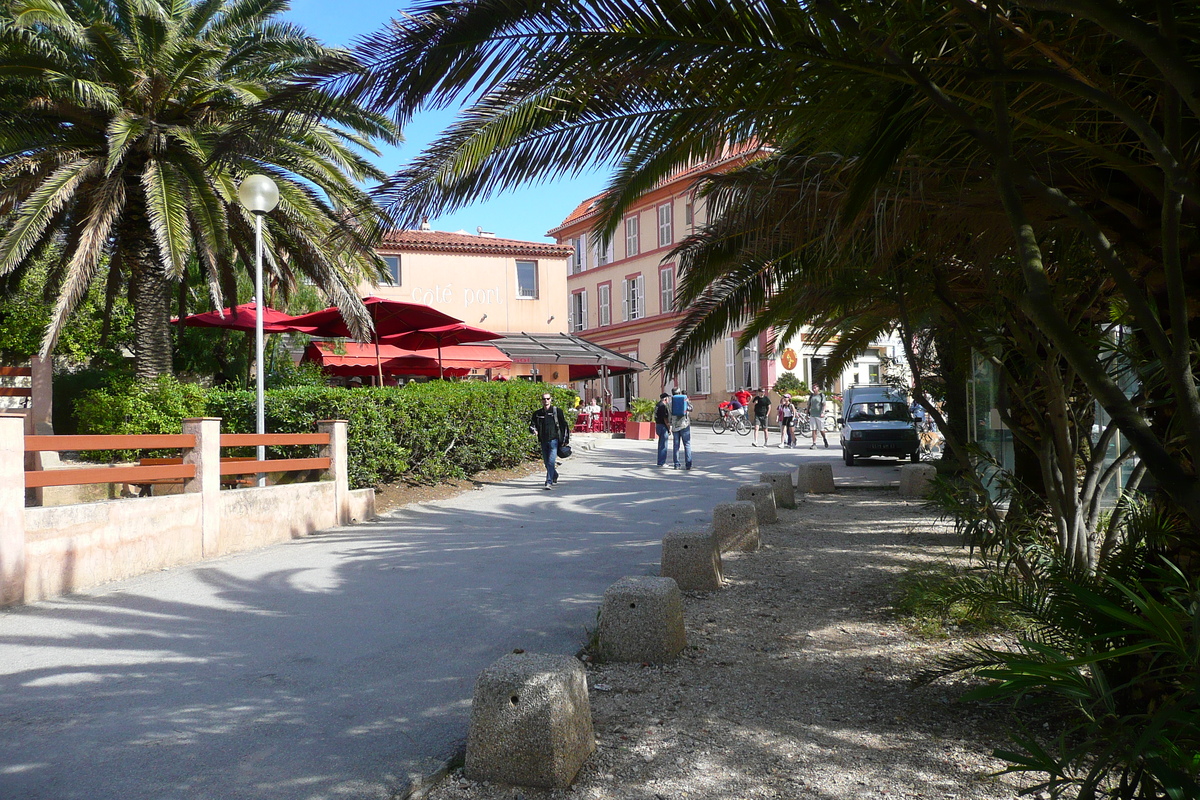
[(335, 666)]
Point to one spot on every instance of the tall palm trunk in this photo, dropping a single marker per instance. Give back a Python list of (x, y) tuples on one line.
[(151, 317)]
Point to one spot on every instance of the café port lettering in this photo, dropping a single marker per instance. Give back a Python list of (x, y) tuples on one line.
[(445, 295)]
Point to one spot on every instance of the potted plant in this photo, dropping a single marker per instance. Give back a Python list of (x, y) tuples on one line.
[(640, 424)]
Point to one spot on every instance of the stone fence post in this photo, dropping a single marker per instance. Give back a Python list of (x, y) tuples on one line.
[(339, 471), (206, 455), (12, 509), (41, 401)]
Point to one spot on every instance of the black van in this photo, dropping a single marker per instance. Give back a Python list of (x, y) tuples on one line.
[(876, 422)]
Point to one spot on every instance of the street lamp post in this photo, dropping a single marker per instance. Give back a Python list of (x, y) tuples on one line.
[(259, 195)]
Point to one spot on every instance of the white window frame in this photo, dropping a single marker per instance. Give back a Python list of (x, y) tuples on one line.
[(604, 253), (666, 290), (699, 375), (666, 234), (750, 366), (577, 313), (633, 298), (632, 236), (730, 364), (579, 256), (520, 295), (393, 275), (604, 304)]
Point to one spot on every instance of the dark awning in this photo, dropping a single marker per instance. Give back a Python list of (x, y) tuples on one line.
[(584, 358)]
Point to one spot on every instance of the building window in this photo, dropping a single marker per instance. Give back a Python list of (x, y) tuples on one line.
[(393, 270), (604, 253), (631, 237), (527, 283), (665, 235), (730, 364), (579, 257), (604, 304), (699, 375), (750, 366), (633, 298), (578, 311), (688, 215), (666, 290)]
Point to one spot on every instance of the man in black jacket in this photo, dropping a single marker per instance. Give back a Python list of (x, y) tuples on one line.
[(662, 426), (550, 425)]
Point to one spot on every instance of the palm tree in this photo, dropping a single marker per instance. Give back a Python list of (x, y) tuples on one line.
[(1080, 113), (125, 130)]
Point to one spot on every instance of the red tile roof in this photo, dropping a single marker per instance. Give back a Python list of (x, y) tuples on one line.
[(443, 242), (747, 150)]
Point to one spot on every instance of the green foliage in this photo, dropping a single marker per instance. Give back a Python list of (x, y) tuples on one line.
[(25, 312), (157, 406), (283, 372), (641, 409), (1120, 650), (788, 383), (933, 600), (428, 431)]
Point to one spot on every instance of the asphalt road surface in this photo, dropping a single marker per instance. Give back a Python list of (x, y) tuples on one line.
[(338, 665)]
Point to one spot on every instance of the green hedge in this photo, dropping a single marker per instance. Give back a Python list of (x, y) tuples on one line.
[(429, 431)]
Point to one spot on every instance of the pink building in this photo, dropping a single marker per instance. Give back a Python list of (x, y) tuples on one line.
[(622, 295)]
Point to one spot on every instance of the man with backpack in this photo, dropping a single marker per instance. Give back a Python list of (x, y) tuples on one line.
[(816, 416), (662, 425), (681, 427), (550, 425)]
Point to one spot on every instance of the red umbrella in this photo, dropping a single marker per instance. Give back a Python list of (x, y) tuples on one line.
[(241, 318), (444, 335), (389, 317), (359, 358)]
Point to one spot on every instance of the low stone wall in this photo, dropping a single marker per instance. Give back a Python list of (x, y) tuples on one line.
[(53, 550), (74, 547), (257, 517)]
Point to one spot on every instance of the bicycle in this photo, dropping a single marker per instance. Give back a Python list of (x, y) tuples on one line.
[(727, 422), (803, 423)]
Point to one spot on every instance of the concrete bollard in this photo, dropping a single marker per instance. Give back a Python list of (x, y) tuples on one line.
[(692, 560), (816, 478), (763, 497), (785, 493), (641, 619), (916, 479), (735, 526), (531, 723)]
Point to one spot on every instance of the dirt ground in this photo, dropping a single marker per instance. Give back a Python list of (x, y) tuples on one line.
[(394, 495), (796, 682)]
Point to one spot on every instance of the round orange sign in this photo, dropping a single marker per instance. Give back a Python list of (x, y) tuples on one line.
[(788, 358)]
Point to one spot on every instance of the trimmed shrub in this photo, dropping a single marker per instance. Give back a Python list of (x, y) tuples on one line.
[(428, 431)]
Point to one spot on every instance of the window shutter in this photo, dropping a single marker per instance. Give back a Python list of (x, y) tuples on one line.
[(730, 365), (625, 300), (639, 284), (583, 310), (706, 374)]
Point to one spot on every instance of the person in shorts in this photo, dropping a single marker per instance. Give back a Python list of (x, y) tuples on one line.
[(786, 416), (816, 415), (762, 407)]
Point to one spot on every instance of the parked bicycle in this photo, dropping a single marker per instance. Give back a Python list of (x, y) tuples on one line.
[(728, 421)]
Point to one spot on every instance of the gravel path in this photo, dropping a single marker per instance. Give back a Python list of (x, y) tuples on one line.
[(796, 681)]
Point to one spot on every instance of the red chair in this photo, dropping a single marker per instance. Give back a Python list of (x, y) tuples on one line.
[(619, 418)]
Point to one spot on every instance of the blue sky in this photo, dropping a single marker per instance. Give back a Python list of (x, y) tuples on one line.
[(524, 213)]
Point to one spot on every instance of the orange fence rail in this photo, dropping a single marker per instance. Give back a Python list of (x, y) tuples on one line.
[(165, 472), (16, 391)]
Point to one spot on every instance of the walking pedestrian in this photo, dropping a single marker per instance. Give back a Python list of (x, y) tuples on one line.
[(762, 407), (681, 428), (786, 417), (816, 416), (550, 425), (662, 426)]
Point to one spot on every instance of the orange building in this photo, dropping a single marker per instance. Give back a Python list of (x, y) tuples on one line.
[(622, 296)]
